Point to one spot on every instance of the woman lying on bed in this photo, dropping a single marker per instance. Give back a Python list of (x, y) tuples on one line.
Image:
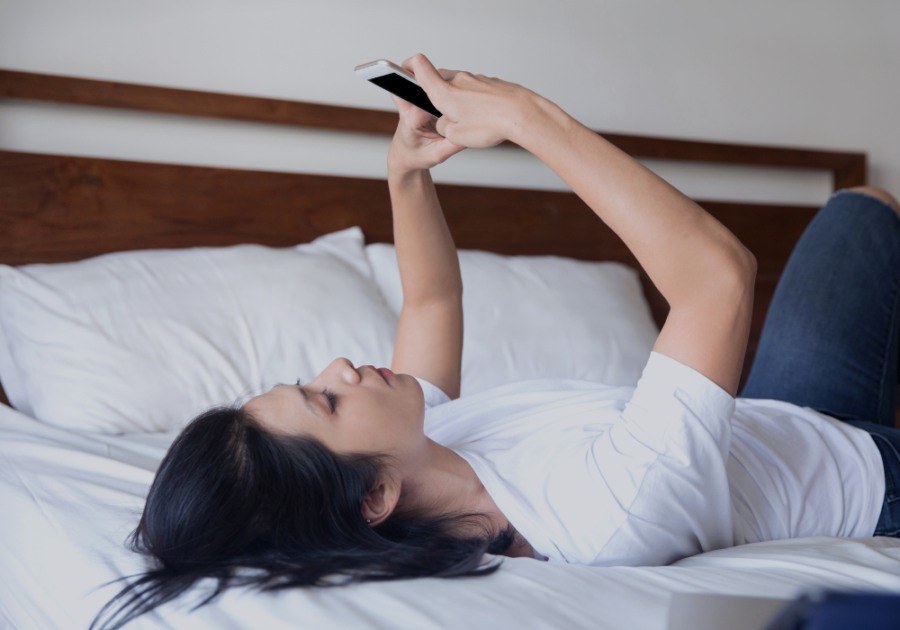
[(376, 474)]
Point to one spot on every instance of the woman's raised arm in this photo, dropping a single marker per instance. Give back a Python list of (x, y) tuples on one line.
[(699, 266), (430, 333)]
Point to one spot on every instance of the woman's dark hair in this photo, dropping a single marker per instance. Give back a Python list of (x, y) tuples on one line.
[(230, 496)]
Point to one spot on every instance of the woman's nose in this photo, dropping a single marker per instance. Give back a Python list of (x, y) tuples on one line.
[(347, 372)]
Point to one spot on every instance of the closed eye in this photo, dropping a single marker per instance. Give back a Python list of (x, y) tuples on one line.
[(327, 393), (332, 398)]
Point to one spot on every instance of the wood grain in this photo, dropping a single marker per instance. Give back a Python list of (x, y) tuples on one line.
[(59, 209), (848, 168), (112, 94)]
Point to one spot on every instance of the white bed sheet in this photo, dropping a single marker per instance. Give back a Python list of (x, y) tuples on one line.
[(68, 501)]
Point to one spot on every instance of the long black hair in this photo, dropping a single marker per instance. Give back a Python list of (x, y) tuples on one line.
[(229, 495)]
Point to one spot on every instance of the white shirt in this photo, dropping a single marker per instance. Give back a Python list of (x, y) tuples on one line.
[(601, 475)]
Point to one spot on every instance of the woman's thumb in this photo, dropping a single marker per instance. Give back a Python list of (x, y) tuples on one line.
[(441, 126)]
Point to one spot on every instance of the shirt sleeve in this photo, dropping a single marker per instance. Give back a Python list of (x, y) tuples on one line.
[(669, 390), (659, 471), (434, 396)]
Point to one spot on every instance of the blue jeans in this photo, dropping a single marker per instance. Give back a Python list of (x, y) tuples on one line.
[(832, 333)]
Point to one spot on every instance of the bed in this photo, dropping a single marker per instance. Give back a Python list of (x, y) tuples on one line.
[(71, 491)]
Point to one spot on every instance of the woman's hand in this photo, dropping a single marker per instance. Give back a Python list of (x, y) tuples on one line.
[(417, 145), (478, 111)]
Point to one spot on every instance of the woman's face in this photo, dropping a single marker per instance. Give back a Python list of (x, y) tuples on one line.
[(373, 413)]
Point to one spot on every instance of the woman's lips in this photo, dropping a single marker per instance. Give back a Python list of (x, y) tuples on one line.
[(386, 374)]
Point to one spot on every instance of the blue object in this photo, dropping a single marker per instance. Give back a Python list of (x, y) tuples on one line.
[(831, 336), (840, 611)]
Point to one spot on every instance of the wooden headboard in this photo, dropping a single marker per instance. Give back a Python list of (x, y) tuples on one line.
[(64, 208)]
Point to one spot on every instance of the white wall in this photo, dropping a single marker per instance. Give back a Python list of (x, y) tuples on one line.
[(816, 73)]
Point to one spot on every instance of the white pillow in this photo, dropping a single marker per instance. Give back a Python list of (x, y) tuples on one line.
[(530, 317), (144, 340), (10, 379)]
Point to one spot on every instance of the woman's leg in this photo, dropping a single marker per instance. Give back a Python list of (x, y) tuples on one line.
[(831, 335)]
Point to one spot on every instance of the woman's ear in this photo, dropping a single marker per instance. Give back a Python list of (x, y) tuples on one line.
[(381, 500)]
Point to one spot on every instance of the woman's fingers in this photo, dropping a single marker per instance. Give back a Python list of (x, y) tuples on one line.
[(441, 126), (475, 108), (401, 105), (446, 75), (413, 116), (445, 150), (427, 76)]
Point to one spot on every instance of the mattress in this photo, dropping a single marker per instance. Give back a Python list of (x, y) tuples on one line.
[(69, 500)]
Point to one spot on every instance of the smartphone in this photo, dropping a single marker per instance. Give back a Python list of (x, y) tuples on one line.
[(398, 82)]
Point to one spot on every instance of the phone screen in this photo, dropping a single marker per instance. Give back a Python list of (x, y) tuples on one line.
[(409, 92)]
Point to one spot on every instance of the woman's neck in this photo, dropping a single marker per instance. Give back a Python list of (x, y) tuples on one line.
[(441, 482)]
